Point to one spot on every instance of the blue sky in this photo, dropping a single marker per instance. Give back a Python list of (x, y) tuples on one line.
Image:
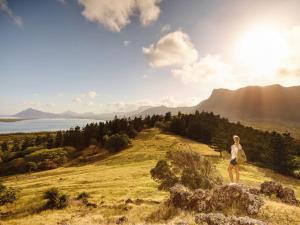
[(111, 55)]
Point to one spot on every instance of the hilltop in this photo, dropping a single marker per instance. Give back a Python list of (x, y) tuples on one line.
[(112, 179)]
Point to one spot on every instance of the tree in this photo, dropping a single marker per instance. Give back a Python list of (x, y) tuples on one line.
[(31, 166), (38, 140), (220, 142), (26, 143), (4, 146), (50, 142), (59, 139), (168, 116), (16, 146), (116, 142)]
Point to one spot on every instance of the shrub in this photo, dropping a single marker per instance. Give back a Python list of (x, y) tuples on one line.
[(31, 166), (165, 126), (196, 171), (14, 166), (43, 154), (83, 196), (32, 149), (132, 133), (7, 195), (48, 158), (164, 175), (55, 199), (116, 142), (187, 167)]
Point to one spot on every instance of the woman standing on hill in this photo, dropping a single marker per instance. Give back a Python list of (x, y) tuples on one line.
[(233, 162)]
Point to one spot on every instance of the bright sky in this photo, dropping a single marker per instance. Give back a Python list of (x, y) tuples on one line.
[(112, 55)]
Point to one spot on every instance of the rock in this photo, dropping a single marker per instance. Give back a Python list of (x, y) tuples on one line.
[(221, 219), (218, 199), (287, 195), (246, 221), (270, 187), (211, 219), (228, 195), (121, 220), (199, 201), (180, 196)]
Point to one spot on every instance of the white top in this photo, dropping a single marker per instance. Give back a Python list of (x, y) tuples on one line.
[(234, 150)]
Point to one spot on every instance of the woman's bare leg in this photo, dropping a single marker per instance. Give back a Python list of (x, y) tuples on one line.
[(230, 167), (237, 173)]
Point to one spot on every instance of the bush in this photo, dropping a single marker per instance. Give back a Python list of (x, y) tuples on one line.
[(164, 175), (49, 158), (187, 167), (7, 195), (43, 154), (116, 142), (32, 149), (165, 126), (83, 196), (196, 171), (55, 200), (132, 133), (14, 166), (31, 166)]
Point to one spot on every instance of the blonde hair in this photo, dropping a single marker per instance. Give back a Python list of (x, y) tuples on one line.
[(235, 137)]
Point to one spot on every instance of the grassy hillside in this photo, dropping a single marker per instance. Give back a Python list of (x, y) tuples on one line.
[(115, 178)]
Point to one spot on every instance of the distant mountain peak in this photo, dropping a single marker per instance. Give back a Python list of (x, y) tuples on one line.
[(31, 113)]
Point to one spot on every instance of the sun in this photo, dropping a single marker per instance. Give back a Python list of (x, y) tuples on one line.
[(262, 49)]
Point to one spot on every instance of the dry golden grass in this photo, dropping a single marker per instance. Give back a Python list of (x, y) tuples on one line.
[(115, 178)]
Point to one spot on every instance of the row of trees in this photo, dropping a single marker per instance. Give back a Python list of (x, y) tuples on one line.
[(269, 149)]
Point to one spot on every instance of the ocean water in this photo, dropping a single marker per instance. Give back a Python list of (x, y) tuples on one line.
[(36, 125)]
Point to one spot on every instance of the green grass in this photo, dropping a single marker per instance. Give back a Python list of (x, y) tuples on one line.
[(124, 175)]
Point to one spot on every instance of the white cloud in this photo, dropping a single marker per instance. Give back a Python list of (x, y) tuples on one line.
[(165, 29), (51, 104), (174, 102), (207, 67), (92, 94), (77, 99), (6, 10), (177, 50), (126, 43), (116, 14), (174, 48), (84, 98)]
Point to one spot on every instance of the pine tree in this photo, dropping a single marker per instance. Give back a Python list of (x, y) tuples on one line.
[(4, 146)]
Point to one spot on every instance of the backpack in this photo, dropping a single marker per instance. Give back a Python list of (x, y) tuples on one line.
[(241, 156)]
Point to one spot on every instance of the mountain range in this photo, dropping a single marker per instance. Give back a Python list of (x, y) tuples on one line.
[(251, 103)]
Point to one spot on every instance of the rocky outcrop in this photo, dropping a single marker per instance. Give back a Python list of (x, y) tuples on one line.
[(228, 195), (286, 195), (270, 187), (221, 219), (217, 199)]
